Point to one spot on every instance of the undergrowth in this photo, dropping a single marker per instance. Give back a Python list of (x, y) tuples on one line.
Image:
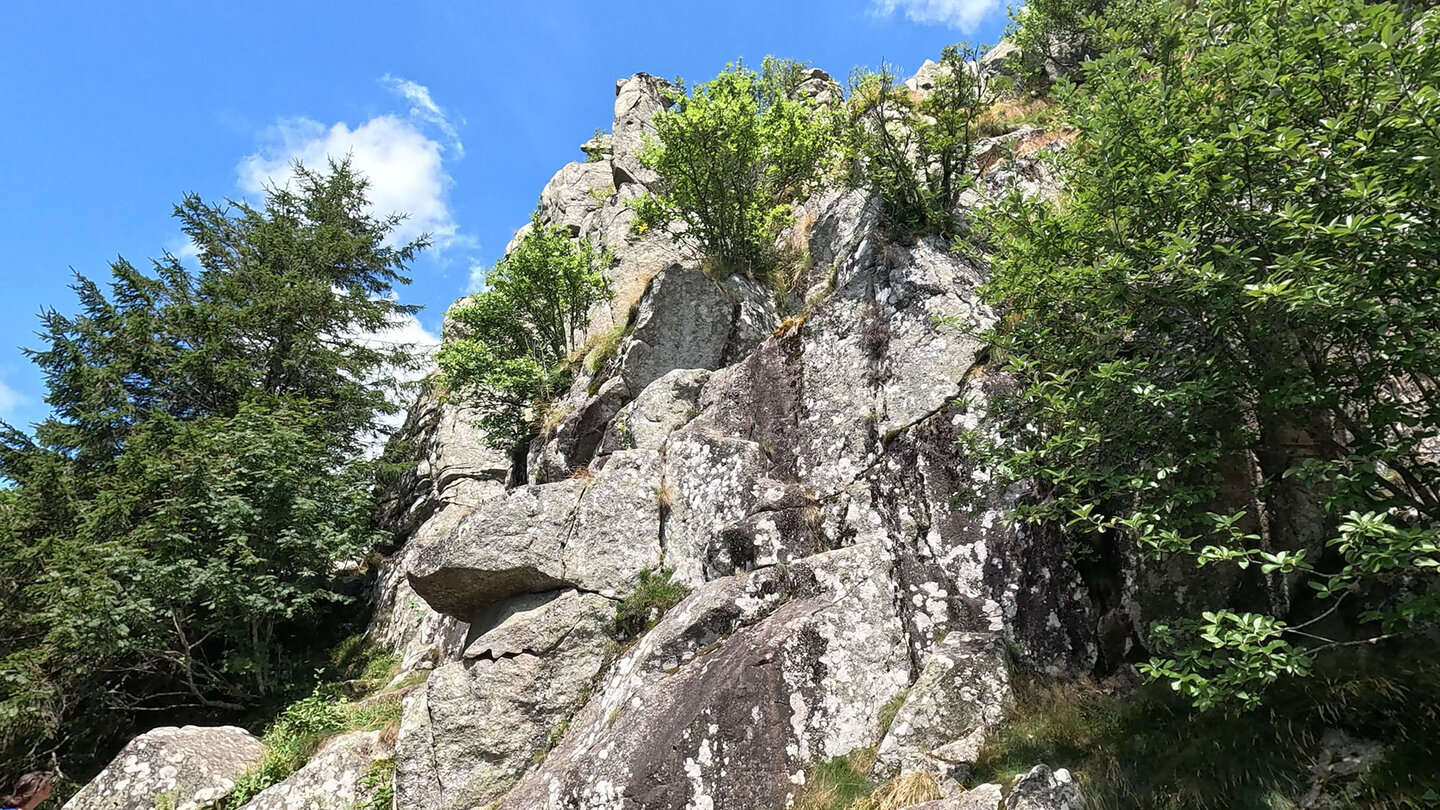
[(1151, 751), (304, 726), (642, 609)]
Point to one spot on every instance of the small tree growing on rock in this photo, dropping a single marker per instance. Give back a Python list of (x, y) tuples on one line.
[(517, 336), (914, 149), (731, 156)]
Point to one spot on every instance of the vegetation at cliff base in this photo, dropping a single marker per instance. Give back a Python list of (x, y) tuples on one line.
[(1226, 333), (514, 340), (172, 535)]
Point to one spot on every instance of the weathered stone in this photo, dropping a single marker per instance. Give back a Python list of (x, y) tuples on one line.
[(595, 533), (637, 100), (188, 767), (684, 321), (577, 437), (817, 87), (664, 407), (963, 692), (1044, 789), (510, 545), (735, 725), (575, 195), (477, 724), (338, 777)]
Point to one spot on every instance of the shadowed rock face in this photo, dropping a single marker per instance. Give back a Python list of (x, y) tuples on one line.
[(188, 767)]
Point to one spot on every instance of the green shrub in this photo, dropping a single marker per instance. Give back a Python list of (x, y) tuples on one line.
[(915, 152), (516, 337), (1224, 335), (732, 155), (643, 607)]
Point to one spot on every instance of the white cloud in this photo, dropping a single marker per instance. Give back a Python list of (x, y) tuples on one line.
[(965, 15), (478, 271), (423, 107), (404, 167), (405, 330), (10, 399)]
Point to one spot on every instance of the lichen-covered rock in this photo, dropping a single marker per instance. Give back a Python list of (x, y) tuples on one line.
[(664, 407), (340, 776), (737, 690), (962, 693), (188, 767), (1044, 789), (472, 729), (684, 321), (595, 532)]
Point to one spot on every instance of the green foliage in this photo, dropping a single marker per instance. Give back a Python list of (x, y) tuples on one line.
[(732, 155), (379, 783), (290, 742), (1153, 751), (171, 533), (914, 151), (516, 337), (1064, 34), (1226, 335), (643, 607)]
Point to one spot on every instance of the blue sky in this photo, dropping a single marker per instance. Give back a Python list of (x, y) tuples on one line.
[(460, 112)]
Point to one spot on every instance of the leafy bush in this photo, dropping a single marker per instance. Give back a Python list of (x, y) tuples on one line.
[(731, 156), (643, 607), (1064, 34), (516, 337), (914, 152), (1226, 334)]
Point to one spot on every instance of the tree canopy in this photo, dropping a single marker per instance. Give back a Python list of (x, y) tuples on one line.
[(170, 534)]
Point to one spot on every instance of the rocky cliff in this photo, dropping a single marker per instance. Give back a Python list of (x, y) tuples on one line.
[(791, 460)]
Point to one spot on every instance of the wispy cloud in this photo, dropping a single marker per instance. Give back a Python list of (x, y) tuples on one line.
[(10, 399), (405, 168), (478, 271), (424, 108), (965, 15)]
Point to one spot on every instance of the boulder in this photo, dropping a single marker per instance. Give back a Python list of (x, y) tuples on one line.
[(595, 533), (577, 437), (187, 767), (665, 406), (962, 693), (475, 726), (342, 775), (1044, 789)]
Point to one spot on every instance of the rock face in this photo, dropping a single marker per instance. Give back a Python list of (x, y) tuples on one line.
[(795, 466), (798, 473), (187, 767)]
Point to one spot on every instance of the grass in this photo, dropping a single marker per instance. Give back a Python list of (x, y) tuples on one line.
[(1009, 114), (1150, 751), (600, 348), (642, 609), (379, 782), (304, 726)]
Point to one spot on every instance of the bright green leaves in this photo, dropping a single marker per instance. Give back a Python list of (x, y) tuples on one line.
[(1226, 334), (731, 156), (515, 338), (914, 151)]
